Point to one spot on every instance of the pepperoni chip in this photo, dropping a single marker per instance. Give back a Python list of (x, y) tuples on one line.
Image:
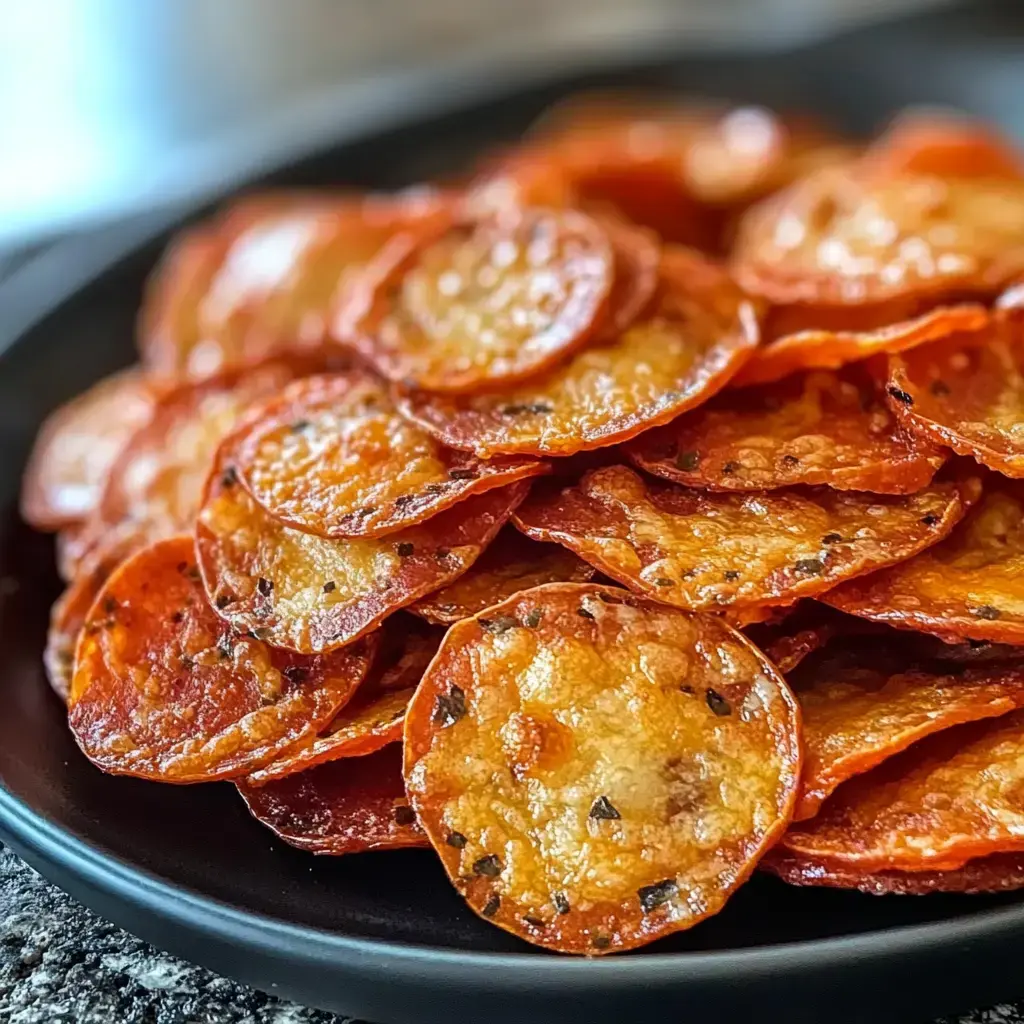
[(157, 481), (342, 807), (695, 336), (947, 800), (165, 690), (511, 564), (376, 715), (819, 428), (703, 550), (967, 392), (70, 610), (313, 594), (1001, 872), (865, 700), (597, 771), (76, 447), (841, 238), (333, 457), (481, 303), (259, 281), (944, 145), (969, 585), (828, 348)]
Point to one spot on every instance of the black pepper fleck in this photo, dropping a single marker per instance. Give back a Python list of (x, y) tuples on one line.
[(178, 617), (264, 586), (718, 704), (730, 575), (600, 942), (986, 611), (463, 474), (664, 581), (404, 815), (229, 477), (687, 460), (584, 613), (502, 624), (931, 519), (728, 468), (330, 586), (533, 619), (653, 896), (790, 460), (537, 408), (490, 866), (221, 601), (110, 605), (534, 922), (456, 839), (900, 395), (491, 906), (449, 707), (561, 902), (831, 538), (295, 673), (810, 566), (405, 549), (603, 810), (299, 425)]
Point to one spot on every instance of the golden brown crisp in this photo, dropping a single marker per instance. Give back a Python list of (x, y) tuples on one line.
[(511, 564), (342, 807), (597, 771), (165, 690), (947, 800), (823, 427), (967, 392), (480, 303), (333, 457), (259, 281), (971, 585), (376, 714), (695, 336), (313, 594), (704, 550), (848, 237), (865, 699)]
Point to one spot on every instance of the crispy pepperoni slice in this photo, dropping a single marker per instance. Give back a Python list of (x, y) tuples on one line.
[(945, 145), (596, 770), (702, 550), (156, 484), (313, 594), (967, 392), (864, 700), (825, 427), (840, 237), (481, 303), (70, 610), (341, 807), (76, 447), (1000, 872), (258, 282), (333, 457), (165, 690), (947, 800), (971, 585), (824, 347), (376, 715), (511, 564), (696, 335)]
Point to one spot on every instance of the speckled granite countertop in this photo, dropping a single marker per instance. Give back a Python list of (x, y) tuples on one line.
[(61, 964)]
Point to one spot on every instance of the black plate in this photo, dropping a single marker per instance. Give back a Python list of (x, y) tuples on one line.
[(384, 936)]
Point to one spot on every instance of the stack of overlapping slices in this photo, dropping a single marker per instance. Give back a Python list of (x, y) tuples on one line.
[(646, 510)]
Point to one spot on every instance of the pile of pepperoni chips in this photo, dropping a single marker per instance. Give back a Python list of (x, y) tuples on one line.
[(643, 512)]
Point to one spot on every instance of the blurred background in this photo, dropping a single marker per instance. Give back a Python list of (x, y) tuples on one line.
[(110, 108)]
